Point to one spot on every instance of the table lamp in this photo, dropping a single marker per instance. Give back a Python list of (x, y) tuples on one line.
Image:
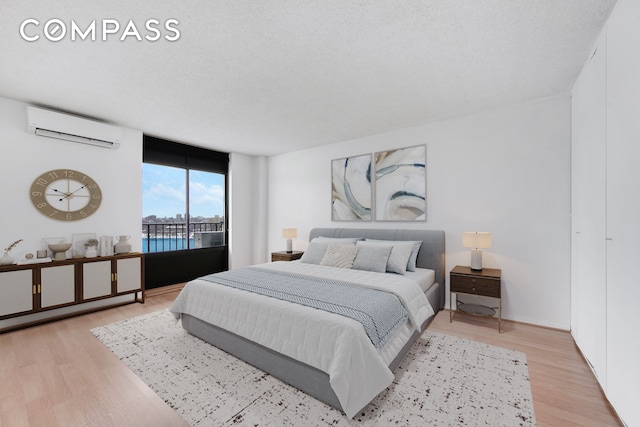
[(476, 241), (289, 233)]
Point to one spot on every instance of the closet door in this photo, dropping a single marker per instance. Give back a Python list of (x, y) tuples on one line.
[(588, 212), (623, 210)]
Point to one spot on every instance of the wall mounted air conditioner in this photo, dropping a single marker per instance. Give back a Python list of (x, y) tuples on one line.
[(72, 128)]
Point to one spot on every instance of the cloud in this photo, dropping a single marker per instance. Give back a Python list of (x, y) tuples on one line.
[(161, 191), (206, 200)]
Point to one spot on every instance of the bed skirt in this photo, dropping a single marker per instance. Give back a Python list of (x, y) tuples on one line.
[(306, 378)]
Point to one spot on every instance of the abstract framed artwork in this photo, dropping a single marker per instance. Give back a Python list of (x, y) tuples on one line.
[(400, 184), (351, 191)]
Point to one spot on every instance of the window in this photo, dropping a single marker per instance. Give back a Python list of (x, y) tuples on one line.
[(183, 197)]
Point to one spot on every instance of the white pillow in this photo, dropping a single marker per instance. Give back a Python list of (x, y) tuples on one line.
[(372, 257), (411, 264), (338, 255)]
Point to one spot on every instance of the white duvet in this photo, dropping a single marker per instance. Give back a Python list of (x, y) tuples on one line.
[(332, 343)]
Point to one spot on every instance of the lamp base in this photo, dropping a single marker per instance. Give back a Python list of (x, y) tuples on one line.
[(476, 259), (289, 246)]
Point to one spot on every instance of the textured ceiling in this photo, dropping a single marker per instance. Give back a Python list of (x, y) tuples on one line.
[(267, 77)]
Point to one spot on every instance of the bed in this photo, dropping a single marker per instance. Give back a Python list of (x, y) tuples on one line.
[(324, 354)]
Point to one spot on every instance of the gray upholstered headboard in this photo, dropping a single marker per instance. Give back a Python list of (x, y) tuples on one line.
[(431, 254)]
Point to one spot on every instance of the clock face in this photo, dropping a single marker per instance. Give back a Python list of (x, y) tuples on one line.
[(65, 194)]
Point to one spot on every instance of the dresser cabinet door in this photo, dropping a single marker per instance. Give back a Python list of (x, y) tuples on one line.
[(58, 285), (16, 292), (96, 279), (129, 276)]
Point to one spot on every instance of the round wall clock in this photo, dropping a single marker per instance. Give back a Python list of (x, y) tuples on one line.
[(65, 194)]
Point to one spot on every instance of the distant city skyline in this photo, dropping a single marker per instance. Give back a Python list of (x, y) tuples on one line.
[(181, 217), (164, 192)]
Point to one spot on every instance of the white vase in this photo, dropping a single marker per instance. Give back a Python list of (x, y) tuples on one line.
[(122, 247), (91, 252), (6, 259)]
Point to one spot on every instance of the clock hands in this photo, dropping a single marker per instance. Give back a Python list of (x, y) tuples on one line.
[(61, 192), (67, 195), (73, 192)]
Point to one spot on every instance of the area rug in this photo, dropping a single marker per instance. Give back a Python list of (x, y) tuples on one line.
[(443, 381)]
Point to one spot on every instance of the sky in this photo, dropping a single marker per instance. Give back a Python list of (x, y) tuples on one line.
[(164, 192)]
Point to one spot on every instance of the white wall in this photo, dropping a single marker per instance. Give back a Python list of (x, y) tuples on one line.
[(247, 210), (506, 171), (25, 156)]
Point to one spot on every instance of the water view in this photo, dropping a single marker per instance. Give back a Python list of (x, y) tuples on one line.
[(167, 244)]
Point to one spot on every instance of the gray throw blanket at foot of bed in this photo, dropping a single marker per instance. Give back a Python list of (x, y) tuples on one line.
[(380, 313)]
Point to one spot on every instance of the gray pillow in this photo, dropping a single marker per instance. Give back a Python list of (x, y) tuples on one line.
[(314, 252), (372, 257), (413, 259), (399, 257), (411, 264)]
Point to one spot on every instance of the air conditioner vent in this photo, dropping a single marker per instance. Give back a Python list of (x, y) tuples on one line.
[(53, 124)]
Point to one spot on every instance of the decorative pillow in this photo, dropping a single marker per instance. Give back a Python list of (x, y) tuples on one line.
[(314, 252), (338, 255), (413, 259), (372, 257), (318, 246), (399, 257), (411, 264)]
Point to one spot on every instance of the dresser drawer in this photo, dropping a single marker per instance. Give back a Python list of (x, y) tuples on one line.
[(475, 285)]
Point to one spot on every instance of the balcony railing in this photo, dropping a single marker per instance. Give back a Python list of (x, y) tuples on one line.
[(162, 237)]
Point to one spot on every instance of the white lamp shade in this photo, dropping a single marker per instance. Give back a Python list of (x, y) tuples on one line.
[(476, 239), (289, 233)]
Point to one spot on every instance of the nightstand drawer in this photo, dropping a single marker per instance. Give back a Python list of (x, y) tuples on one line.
[(286, 256), (475, 285)]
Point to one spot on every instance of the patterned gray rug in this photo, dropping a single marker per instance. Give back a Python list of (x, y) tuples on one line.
[(443, 381)]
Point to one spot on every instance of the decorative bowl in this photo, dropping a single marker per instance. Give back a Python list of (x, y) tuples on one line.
[(59, 249)]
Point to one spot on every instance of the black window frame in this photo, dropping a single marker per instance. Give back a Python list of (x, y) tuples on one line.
[(175, 266)]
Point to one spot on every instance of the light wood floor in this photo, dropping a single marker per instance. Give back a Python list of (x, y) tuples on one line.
[(58, 374)]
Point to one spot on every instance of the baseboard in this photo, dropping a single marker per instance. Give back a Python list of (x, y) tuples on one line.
[(164, 290)]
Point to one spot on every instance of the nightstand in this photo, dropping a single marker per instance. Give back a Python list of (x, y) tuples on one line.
[(286, 256), (485, 282)]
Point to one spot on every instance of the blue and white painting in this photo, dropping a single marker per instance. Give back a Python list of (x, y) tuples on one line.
[(401, 184), (351, 191)]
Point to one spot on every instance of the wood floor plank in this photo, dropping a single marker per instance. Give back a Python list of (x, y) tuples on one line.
[(59, 374)]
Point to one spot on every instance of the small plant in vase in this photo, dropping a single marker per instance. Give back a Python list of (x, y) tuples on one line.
[(91, 247), (7, 259)]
